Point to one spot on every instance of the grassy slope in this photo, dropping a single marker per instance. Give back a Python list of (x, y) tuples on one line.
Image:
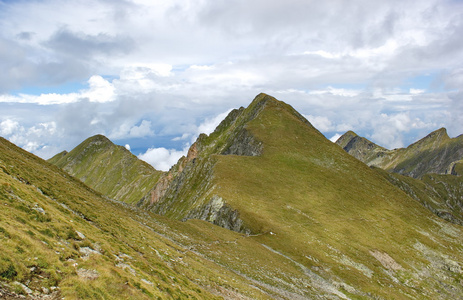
[(109, 169), (325, 207), (133, 254), (352, 232), (42, 211), (432, 154), (442, 194), (322, 218)]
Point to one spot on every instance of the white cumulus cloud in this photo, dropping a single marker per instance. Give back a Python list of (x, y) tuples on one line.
[(162, 158), (389, 70)]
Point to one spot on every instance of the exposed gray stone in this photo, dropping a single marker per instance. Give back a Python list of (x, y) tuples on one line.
[(244, 143)]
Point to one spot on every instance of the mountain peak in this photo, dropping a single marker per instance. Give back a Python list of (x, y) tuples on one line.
[(432, 140), (99, 138), (435, 153), (316, 215), (108, 168), (346, 138), (264, 126), (441, 132), (361, 148), (263, 98)]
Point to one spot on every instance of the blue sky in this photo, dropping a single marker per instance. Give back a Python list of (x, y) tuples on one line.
[(155, 74)]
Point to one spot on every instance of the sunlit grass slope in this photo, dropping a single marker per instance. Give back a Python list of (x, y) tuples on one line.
[(59, 237), (309, 201), (109, 169)]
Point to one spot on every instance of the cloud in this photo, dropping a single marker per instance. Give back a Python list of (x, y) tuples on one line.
[(8, 127), (84, 46), (36, 139), (174, 68), (320, 122), (162, 158), (126, 130), (209, 125), (335, 137), (100, 90)]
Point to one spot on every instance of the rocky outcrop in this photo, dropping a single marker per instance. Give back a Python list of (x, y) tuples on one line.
[(244, 143), (456, 168), (362, 149), (154, 196), (219, 213)]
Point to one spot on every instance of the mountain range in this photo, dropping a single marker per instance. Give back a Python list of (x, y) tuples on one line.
[(435, 153), (265, 207)]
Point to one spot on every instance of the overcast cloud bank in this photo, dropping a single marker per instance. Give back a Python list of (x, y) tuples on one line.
[(154, 74)]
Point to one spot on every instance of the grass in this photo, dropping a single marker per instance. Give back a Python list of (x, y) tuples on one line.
[(110, 169), (47, 253), (165, 258), (315, 212), (314, 205)]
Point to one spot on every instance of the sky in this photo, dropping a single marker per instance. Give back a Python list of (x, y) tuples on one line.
[(152, 75)]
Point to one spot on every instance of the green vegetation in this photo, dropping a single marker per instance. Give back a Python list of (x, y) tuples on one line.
[(429, 159), (314, 222), (94, 248), (109, 169), (308, 201)]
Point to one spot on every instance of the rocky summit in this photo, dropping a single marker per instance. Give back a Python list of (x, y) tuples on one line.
[(265, 207)]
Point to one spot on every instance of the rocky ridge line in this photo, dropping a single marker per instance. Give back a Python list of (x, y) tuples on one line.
[(196, 169)]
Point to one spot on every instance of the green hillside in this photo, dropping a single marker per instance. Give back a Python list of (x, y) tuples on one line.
[(266, 171), (59, 238), (435, 153), (110, 169), (307, 220)]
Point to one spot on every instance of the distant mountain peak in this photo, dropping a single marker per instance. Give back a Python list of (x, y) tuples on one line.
[(440, 131), (433, 139), (435, 153)]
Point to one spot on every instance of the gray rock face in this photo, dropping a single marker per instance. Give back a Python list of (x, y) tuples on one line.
[(219, 213), (245, 144)]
